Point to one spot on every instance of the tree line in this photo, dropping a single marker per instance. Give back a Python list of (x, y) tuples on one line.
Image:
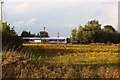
[(11, 39), (29, 34), (90, 33), (93, 33)]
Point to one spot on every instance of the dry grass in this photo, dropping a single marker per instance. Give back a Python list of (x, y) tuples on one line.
[(62, 61)]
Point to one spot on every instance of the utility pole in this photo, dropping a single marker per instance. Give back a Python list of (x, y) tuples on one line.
[(1, 14), (118, 19), (58, 35), (1, 10), (1, 36), (44, 34), (44, 29)]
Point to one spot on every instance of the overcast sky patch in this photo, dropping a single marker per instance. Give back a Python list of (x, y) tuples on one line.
[(58, 16)]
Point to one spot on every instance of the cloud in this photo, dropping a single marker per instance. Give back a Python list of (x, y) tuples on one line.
[(30, 22), (24, 25), (26, 6), (21, 8), (15, 8), (27, 23)]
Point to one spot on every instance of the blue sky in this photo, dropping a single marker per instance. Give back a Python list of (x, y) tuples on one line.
[(58, 15)]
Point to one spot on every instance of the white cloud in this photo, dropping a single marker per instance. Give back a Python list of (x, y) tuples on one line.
[(18, 23), (30, 22), (21, 8), (15, 8), (27, 23)]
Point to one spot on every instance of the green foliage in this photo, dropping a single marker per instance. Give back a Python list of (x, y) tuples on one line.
[(9, 36), (43, 34), (27, 34), (73, 35), (92, 33), (109, 28)]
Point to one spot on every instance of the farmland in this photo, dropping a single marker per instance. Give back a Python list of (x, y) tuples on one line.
[(63, 61)]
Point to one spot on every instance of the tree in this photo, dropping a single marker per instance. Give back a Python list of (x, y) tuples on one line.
[(27, 34), (9, 36), (79, 35), (109, 28), (95, 29), (89, 33), (73, 35), (92, 33), (109, 34), (43, 34)]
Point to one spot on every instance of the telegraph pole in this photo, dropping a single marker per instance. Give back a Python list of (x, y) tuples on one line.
[(58, 35), (1, 36), (44, 34), (1, 2), (1, 10), (1, 14), (44, 31)]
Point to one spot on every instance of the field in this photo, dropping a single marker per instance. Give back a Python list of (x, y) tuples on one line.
[(62, 61)]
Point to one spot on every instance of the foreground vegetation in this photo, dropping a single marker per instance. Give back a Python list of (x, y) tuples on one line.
[(62, 61)]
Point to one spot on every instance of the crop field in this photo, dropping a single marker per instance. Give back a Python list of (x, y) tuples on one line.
[(63, 61)]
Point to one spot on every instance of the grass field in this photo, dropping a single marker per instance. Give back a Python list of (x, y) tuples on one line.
[(63, 61)]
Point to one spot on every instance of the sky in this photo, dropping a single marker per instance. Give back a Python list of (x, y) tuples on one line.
[(58, 15)]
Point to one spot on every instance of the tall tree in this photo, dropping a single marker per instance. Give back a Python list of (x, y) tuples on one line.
[(79, 35), (95, 27), (73, 35), (89, 33)]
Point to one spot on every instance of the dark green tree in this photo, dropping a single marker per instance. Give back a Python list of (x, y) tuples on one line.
[(109, 34), (27, 34), (43, 34), (109, 28), (9, 36)]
